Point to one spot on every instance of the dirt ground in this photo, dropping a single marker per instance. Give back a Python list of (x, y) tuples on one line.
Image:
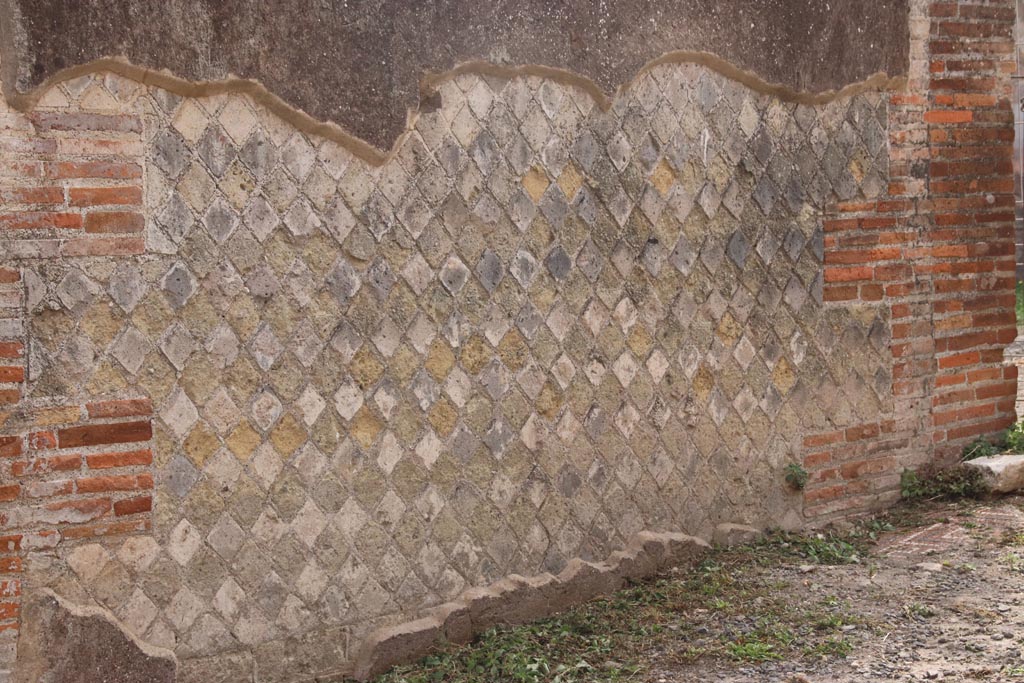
[(941, 600)]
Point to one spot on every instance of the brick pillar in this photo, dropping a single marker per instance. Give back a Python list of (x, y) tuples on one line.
[(1018, 147), (968, 247), (938, 252)]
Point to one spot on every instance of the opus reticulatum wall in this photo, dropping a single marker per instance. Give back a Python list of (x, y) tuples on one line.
[(262, 398)]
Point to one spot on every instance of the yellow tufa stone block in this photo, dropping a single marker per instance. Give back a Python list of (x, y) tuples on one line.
[(243, 441), (440, 360), (201, 443), (287, 436), (571, 180), (663, 177), (536, 182), (365, 426)]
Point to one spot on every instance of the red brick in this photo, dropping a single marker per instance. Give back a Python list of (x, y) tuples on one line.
[(829, 493), (76, 511), (126, 408), (49, 488), (12, 349), (11, 374), (11, 543), (862, 256), (56, 463), (123, 482), (20, 169), (96, 435), (9, 492), (132, 506), (114, 222), (825, 439), (10, 446), (31, 195), (100, 461), (40, 220), (27, 145), (840, 293), (847, 274), (816, 459), (949, 116), (960, 360), (93, 169), (104, 196), (10, 610), (108, 529)]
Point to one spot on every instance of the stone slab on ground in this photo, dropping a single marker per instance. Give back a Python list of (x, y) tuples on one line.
[(1001, 473)]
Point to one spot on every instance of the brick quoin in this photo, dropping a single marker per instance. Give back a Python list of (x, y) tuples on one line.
[(938, 252), (54, 496)]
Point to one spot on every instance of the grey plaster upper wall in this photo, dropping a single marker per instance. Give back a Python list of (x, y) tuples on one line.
[(359, 63)]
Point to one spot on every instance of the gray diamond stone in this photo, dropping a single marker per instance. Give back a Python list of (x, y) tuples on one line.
[(176, 218), (454, 274), (76, 291), (216, 149), (261, 218), (220, 220), (738, 249), (380, 277), (179, 285), (258, 154), (794, 243), (558, 262), (683, 256), (343, 281), (262, 283), (179, 476), (489, 270), (524, 267), (169, 153)]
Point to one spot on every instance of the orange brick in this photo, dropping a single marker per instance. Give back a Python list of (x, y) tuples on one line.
[(114, 222), (40, 220), (100, 461), (124, 482), (12, 350), (96, 435), (11, 374), (10, 446), (57, 463), (126, 408), (104, 196), (133, 506), (949, 116)]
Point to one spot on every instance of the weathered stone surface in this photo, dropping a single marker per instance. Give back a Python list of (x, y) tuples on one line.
[(727, 535), (60, 643), (1001, 473), (371, 57)]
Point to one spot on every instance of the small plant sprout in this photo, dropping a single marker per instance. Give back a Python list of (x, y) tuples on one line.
[(796, 476)]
